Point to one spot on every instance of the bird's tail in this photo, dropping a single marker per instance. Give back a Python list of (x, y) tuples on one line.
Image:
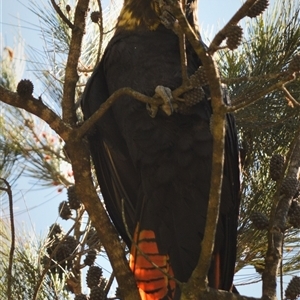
[(151, 269)]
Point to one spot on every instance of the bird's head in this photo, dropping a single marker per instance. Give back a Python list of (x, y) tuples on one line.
[(145, 14)]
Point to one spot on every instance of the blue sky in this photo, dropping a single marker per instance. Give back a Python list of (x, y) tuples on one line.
[(37, 208)]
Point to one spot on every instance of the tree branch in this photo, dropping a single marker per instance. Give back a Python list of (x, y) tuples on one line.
[(107, 233), (38, 108), (197, 283), (221, 35), (275, 234), (71, 75), (13, 237), (109, 102), (259, 94), (61, 14)]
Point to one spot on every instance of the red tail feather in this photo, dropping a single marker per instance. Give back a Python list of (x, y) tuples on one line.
[(150, 268)]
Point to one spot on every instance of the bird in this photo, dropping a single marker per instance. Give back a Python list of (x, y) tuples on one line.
[(154, 165)]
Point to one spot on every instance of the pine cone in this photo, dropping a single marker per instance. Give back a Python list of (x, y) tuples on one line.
[(294, 65), (259, 220), (90, 258), (293, 289), (289, 186), (257, 8), (74, 202), (68, 8), (93, 276), (65, 249), (234, 36), (71, 243), (199, 78), (25, 88), (193, 96), (294, 214), (81, 297), (95, 16), (55, 229), (276, 166), (97, 293), (64, 210), (118, 293)]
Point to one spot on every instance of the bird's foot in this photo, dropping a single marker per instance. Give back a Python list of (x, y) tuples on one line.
[(165, 94)]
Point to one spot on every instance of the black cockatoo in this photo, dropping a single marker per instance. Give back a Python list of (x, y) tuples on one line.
[(155, 170)]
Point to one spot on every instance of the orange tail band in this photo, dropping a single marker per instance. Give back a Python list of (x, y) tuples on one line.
[(150, 267)]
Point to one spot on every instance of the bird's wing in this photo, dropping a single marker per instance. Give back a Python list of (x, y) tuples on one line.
[(114, 169)]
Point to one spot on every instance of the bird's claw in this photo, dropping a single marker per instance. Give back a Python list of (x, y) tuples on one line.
[(165, 94), (152, 110)]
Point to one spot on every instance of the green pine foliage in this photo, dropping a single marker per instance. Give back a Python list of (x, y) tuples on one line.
[(266, 127)]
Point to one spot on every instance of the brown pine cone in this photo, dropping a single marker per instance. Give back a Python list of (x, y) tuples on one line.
[(97, 293), (259, 220), (25, 88), (293, 289), (294, 214), (95, 16), (118, 293), (90, 257), (199, 78), (74, 202), (257, 8), (93, 276), (234, 36), (193, 96), (55, 229), (64, 210), (276, 166), (64, 252), (290, 186)]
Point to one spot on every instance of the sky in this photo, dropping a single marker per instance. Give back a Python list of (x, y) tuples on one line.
[(37, 208)]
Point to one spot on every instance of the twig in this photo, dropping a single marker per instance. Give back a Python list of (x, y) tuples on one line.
[(88, 124), (109, 102), (183, 58), (197, 282), (109, 283), (255, 78), (61, 14), (100, 33), (13, 237), (291, 100), (221, 35), (258, 95), (281, 271), (107, 233), (71, 75), (275, 234), (38, 108)]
